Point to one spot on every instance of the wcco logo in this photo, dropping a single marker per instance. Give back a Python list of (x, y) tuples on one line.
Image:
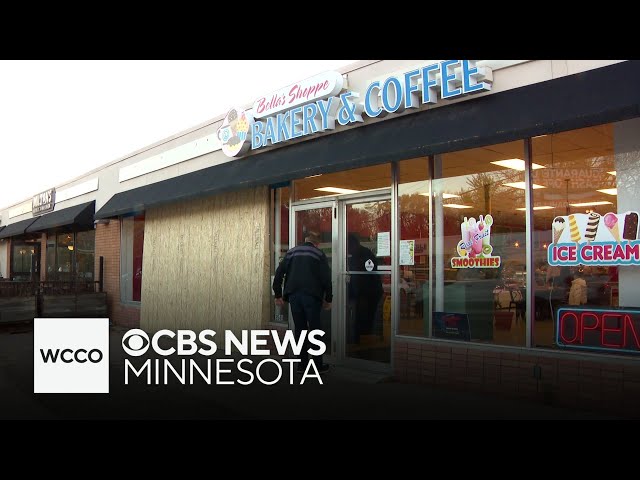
[(71, 355), (81, 355)]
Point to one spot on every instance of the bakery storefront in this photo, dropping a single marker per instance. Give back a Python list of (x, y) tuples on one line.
[(501, 267), (481, 220), (478, 239)]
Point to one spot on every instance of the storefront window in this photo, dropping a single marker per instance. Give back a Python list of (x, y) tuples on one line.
[(70, 256), (52, 269), (347, 181), (279, 243), (85, 255), (413, 224), (585, 232), (64, 256), (22, 263), (479, 250), (131, 248)]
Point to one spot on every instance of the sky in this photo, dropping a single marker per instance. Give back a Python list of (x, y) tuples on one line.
[(60, 119)]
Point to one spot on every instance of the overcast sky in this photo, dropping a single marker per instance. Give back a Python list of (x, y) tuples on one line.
[(62, 118)]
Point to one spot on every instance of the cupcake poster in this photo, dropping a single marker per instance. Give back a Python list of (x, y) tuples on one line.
[(474, 248), (234, 131), (594, 239)]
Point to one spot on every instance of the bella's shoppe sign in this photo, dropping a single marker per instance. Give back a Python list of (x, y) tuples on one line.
[(316, 104)]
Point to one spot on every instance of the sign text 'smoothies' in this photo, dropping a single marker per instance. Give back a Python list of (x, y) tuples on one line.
[(475, 249)]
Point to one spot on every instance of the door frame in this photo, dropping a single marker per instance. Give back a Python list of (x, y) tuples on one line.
[(336, 354), (383, 194), (35, 267), (330, 354)]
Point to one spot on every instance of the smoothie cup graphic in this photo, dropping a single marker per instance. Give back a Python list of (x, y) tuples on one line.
[(464, 231), (484, 227), (475, 238)]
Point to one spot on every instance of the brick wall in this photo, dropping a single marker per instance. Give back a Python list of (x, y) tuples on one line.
[(607, 385), (108, 247)]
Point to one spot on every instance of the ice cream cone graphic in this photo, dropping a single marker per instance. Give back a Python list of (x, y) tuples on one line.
[(592, 226), (558, 227), (611, 222), (574, 230)]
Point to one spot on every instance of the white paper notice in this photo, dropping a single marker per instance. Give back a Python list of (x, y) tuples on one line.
[(384, 244), (407, 249)]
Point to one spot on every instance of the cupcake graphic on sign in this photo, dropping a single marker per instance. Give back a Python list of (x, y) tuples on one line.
[(234, 131)]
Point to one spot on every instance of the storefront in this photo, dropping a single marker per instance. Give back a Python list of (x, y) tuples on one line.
[(51, 264), (481, 221)]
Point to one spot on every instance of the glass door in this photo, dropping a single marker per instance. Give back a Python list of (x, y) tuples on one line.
[(319, 217), (25, 262), (365, 267)]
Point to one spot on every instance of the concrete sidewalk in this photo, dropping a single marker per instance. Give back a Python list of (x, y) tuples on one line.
[(346, 394)]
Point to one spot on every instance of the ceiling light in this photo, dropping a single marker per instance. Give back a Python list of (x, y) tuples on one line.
[(455, 205), (444, 195), (522, 186), (588, 204), (609, 191), (336, 190), (515, 164), (612, 173), (542, 207)]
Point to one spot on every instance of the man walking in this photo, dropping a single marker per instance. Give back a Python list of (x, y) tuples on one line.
[(307, 287)]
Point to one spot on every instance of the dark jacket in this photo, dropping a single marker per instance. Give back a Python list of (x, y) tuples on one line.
[(304, 268), (369, 286)]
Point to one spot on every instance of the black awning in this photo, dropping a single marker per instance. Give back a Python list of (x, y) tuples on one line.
[(17, 228), (78, 215), (1, 228), (574, 101)]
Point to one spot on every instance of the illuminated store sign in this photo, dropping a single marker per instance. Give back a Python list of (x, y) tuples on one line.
[(475, 248), (314, 88), (594, 239), (611, 330), (43, 202), (233, 132), (315, 104)]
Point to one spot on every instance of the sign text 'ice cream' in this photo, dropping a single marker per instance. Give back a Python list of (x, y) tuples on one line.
[(594, 239)]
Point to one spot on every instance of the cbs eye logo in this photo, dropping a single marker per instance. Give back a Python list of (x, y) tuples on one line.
[(135, 342)]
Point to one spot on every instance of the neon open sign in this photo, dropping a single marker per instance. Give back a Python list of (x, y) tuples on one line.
[(596, 329)]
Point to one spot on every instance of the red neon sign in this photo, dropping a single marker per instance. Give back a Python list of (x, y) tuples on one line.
[(611, 330)]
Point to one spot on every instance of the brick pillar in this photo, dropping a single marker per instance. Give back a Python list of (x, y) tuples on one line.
[(8, 264), (108, 246), (43, 257)]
